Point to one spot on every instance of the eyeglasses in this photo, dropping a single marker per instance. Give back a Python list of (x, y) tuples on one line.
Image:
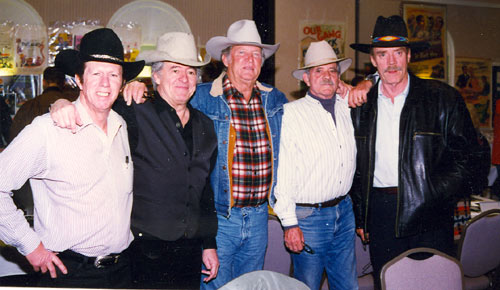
[(308, 249)]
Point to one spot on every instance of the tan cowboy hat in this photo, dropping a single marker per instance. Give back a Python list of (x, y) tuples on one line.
[(242, 32), (178, 47), (320, 53)]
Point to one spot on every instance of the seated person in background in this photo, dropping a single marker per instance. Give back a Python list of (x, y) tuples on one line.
[(82, 182)]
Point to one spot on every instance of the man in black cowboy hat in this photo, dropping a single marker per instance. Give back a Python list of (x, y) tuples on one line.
[(414, 137), (82, 182)]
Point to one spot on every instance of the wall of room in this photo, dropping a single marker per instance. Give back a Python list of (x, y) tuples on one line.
[(473, 25)]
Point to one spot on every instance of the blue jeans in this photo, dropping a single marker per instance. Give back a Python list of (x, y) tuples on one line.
[(329, 232), (241, 243)]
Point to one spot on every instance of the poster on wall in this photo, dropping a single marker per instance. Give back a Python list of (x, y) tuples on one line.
[(427, 23), (331, 32), (473, 81), (7, 64), (31, 49)]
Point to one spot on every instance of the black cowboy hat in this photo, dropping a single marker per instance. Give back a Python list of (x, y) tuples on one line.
[(98, 45), (390, 32)]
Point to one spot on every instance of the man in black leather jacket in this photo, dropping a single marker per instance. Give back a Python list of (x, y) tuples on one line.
[(414, 139)]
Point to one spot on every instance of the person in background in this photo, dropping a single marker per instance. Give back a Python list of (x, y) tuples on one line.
[(53, 85), (5, 123), (317, 162), (414, 142), (82, 182)]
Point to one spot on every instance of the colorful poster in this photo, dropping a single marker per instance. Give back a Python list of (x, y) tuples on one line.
[(474, 84), (7, 64), (60, 38), (31, 49), (427, 23)]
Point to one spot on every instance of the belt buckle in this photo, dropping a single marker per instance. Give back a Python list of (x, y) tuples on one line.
[(104, 261)]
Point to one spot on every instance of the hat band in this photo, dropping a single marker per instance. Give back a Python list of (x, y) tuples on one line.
[(322, 61), (390, 38), (106, 57)]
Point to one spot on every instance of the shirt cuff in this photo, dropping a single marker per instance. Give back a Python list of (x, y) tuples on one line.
[(209, 243)]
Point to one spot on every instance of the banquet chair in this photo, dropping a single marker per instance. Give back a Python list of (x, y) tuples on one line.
[(264, 280), (438, 271), (277, 258), (479, 249)]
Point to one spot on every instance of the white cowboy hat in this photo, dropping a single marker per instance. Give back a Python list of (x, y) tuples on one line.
[(242, 32), (320, 53), (176, 47)]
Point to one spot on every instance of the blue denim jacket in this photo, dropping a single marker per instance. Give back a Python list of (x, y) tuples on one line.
[(209, 99)]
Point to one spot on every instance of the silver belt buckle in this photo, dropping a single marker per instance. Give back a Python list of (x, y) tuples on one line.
[(104, 261)]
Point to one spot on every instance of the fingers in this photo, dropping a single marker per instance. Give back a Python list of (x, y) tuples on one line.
[(59, 264), (294, 240), (134, 91)]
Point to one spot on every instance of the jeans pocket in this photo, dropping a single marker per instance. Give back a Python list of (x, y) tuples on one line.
[(303, 212)]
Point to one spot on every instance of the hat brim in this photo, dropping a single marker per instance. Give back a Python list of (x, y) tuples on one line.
[(217, 44), (151, 56), (414, 46), (69, 60), (344, 64)]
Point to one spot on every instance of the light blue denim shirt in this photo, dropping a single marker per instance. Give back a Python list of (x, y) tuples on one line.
[(210, 100)]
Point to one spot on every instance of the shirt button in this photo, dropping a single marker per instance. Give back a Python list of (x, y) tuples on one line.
[(185, 153), (224, 142), (224, 167), (178, 124), (189, 169)]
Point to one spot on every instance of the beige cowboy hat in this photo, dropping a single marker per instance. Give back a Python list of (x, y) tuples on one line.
[(320, 53), (241, 32), (178, 47)]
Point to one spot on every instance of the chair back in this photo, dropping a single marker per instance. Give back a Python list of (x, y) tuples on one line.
[(263, 280), (479, 246), (277, 258), (439, 271), (363, 263)]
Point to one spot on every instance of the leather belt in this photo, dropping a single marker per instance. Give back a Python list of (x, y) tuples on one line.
[(387, 190), (329, 203), (98, 262)]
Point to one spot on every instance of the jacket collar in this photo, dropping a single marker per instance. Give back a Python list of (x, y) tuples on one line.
[(217, 90)]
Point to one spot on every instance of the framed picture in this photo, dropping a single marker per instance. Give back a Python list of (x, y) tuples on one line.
[(473, 81), (427, 23)]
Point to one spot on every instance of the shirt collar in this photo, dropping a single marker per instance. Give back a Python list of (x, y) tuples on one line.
[(113, 121), (403, 94)]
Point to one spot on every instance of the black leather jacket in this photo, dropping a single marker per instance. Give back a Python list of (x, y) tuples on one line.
[(436, 137)]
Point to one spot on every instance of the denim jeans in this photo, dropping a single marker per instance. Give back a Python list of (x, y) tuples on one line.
[(329, 232), (241, 243)]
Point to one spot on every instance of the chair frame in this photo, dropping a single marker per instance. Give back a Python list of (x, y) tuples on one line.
[(418, 250), (473, 220)]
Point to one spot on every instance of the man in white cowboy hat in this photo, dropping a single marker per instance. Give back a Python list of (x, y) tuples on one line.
[(414, 139), (82, 182), (317, 163), (173, 147), (247, 118)]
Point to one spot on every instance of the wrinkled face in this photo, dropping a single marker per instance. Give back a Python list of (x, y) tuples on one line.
[(391, 63), (101, 85), (323, 80), (244, 63), (176, 83)]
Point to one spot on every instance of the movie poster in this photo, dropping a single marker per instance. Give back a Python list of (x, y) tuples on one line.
[(473, 81), (427, 23)]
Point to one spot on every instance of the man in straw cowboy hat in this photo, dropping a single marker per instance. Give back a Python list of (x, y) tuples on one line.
[(247, 118), (82, 182), (414, 137), (174, 148), (317, 162)]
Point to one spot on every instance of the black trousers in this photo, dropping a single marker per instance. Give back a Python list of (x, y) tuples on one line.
[(158, 264), (384, 246), (82, 274)]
